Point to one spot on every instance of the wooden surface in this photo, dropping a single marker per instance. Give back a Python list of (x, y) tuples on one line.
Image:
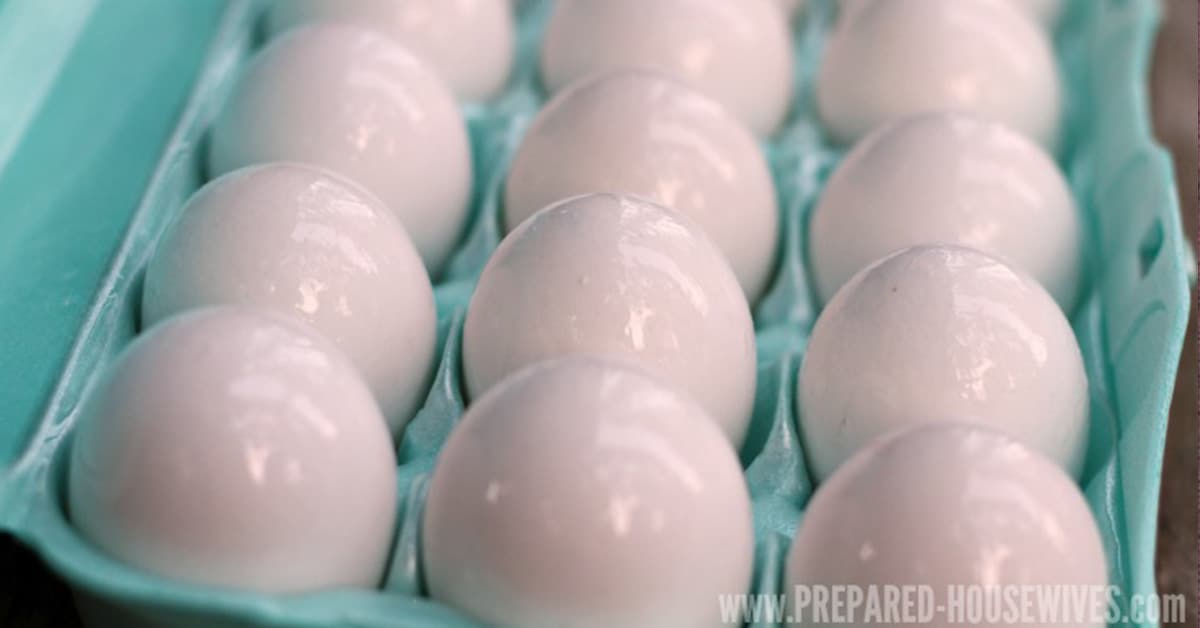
[(1174, 91), (31, 597)]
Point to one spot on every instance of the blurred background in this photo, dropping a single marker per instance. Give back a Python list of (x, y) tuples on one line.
[(31, 597), (1173, 85)]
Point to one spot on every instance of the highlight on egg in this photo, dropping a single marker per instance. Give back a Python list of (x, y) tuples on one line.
[(622, 278), (313, 245), (234, 447), (941, 332), (643, 134), (945, 506), (951, 178), (581, 492), (886, 60), (707, 44), (354, 101)]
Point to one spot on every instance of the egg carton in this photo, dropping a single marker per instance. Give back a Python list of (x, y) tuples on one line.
[(1130, 322)]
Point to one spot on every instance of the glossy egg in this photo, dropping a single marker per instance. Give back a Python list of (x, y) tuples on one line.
[(468, 42), (581, 493), (890, 59), (948, 178), (946, 505), (940, 332), (739, 53), (644, 134), (354, 101), (235, 447), (623, 278), (303, 241)]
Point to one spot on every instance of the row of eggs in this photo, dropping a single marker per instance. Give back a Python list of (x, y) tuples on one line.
[(681, 38), (237, 446), (357, 103)]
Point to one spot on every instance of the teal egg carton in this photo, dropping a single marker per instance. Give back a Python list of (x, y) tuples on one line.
[(106, 84)]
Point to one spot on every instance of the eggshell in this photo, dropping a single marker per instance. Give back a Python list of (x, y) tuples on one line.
[(947, 505), (581, 493), (354, 101), (640, 133), (623, 278), (890, 59), (235, 447), (739, 53), (948, 178), (313, 245), (934, 333), (470, 43)]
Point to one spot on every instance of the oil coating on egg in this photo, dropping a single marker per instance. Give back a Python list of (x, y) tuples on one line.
[(948, 178), (235, 447), (352, 100), (941, 332), (738, 53), (579, 492), (623, 278), (640, 133), (954, 508), (306, 242), (469, 43), (885, 60)]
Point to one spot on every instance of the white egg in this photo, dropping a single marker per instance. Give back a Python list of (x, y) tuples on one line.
[(235, 447), (643, 134), (945, 505), (890, 59), (469, 42), (623, 278), (942, 332), (738, 53), (354, 101), (947, 178), (582, 493), (306, 242)]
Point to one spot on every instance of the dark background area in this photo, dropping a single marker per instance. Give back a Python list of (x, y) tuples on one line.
[(1173, 85), (32, 597)]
